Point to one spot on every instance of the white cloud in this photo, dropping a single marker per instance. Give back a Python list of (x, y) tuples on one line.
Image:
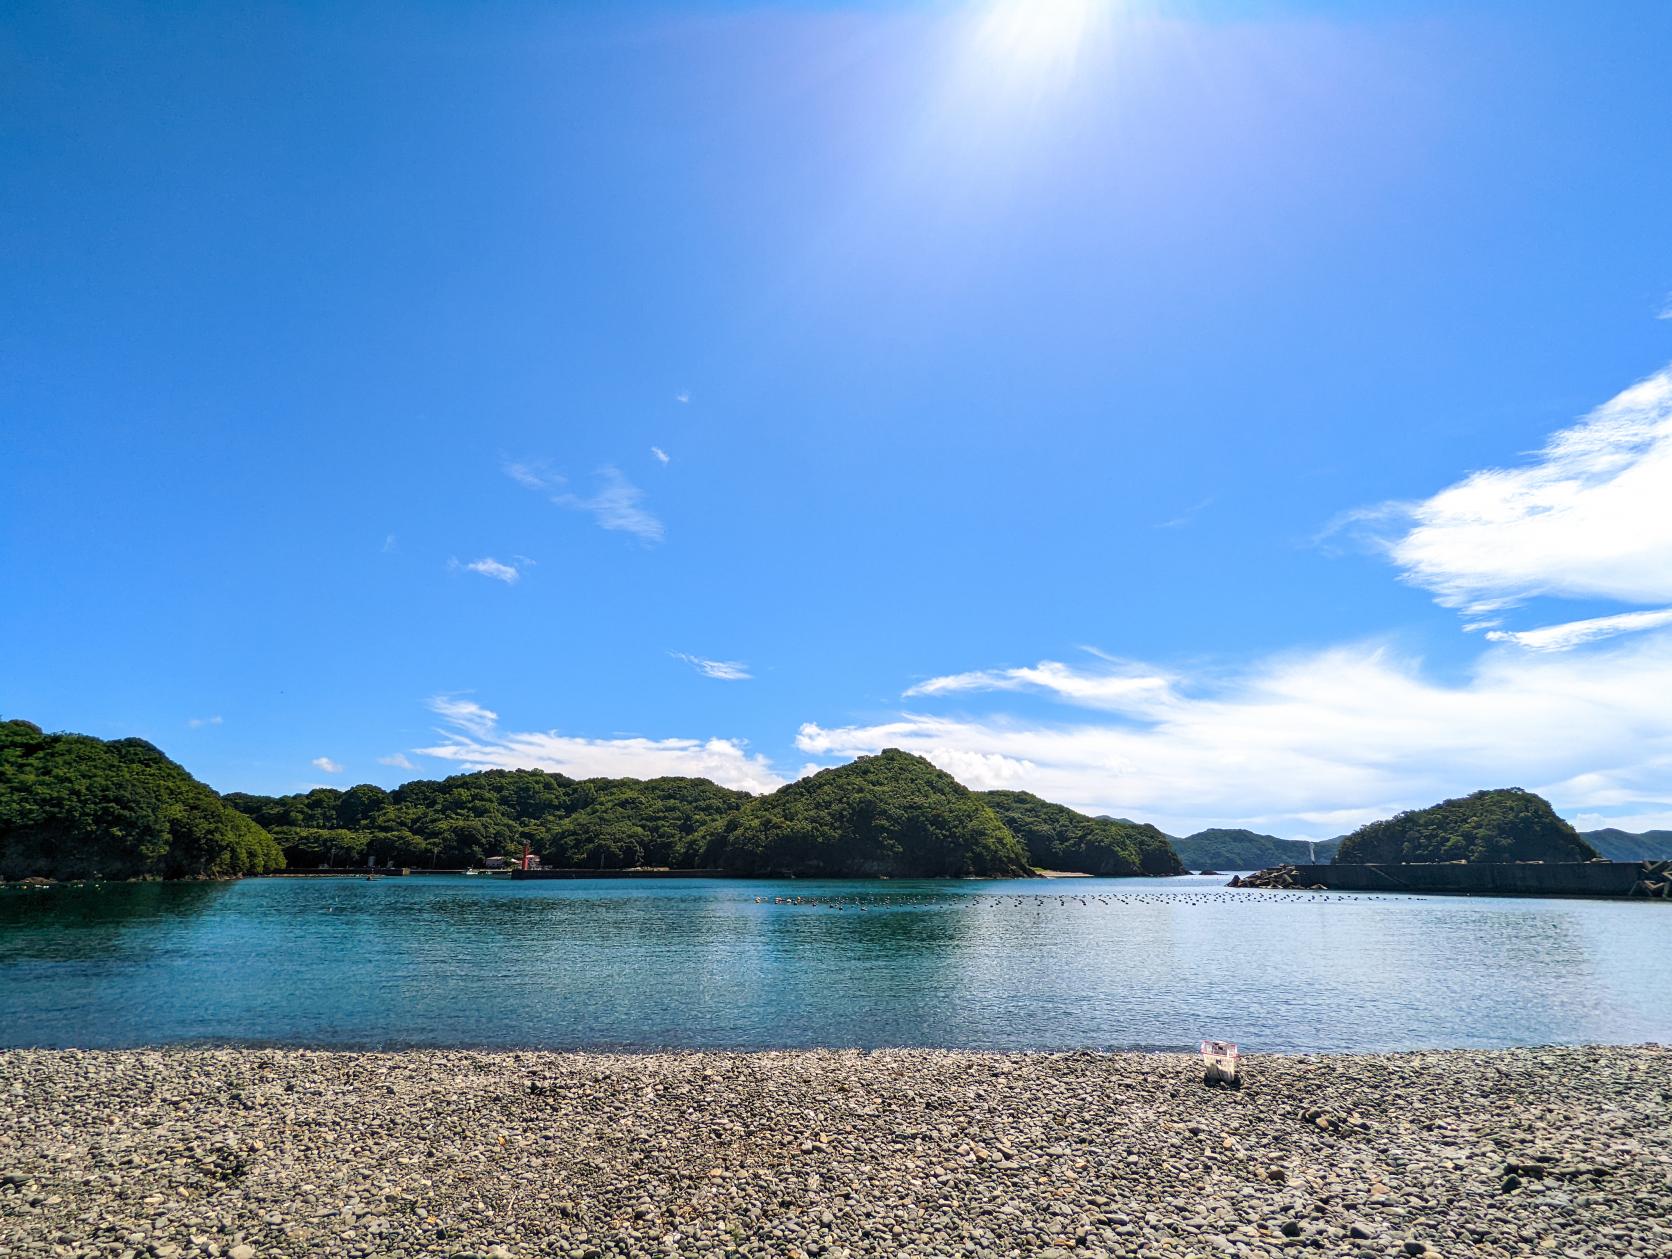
[(532, 474), (661, 455), (397, 761), (197, 723), (684, 395), (389, 543), (1634, 822), (477, 743), (1586, 518), (490, 567), (1573, 634), (1666, 310), (1313, 745), (616, 502), (724, 670), (616, 505), (466, 714), (1187, 515), (1122, 687), (326, 765)]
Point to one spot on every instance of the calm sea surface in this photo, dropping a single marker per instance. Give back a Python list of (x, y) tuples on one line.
[(1082, 963)]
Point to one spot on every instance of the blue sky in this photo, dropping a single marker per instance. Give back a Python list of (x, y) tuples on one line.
[(1206, 413)]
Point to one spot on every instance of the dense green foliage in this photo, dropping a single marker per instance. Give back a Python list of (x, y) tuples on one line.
[(891, 814), (72, 806), (1058, 838), (604, 823), (1618, 845), (1506, 824), (1221, 848)]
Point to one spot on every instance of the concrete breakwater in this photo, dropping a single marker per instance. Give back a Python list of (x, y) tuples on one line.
[(1527, 878), (642, 872), (262, 1154)]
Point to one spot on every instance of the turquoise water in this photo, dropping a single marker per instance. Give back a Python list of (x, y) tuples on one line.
[(1145, 963)]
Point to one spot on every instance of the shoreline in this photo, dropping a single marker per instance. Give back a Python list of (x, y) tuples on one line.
[(251, 1153), (559, 876)]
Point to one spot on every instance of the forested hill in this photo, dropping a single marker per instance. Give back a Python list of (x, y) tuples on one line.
[(1506, 824), (1619, 845), (75, 807), (1058, 838), (600, 823), (890, 814), (1222, 848)]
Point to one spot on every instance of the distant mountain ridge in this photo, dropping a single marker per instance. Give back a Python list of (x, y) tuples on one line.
[(1618, 845), (1230, 848)]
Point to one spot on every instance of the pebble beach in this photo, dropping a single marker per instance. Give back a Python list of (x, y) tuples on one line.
[(258, 1154)]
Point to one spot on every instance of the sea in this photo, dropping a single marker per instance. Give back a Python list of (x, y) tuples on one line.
[(745, 964)]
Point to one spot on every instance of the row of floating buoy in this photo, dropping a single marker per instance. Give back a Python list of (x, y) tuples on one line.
[(862, 901)]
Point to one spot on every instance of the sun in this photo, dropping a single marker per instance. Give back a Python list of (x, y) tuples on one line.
[(1039, 35)]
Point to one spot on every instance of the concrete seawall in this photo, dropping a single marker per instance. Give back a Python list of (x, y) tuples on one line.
[(1589, 878)]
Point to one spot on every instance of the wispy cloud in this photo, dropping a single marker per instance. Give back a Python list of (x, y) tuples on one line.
[(1585, 518), (1187, 515), (197, 723), (487, 566), (660, 454), (532, 474), (1573, 634), (684, 395), (397, 761), (724, 670), (465, 714), (615, 503), (390, 542), (1119, 686), (1313, 744), (326, 765), (475, 742)]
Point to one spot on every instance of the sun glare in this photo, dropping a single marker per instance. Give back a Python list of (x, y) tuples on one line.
[(1039, 35)]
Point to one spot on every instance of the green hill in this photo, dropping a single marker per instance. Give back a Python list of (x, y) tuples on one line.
[(891, 814), (1221, 848), (1059, 838), (1619, 845), (72, 806), (604, 823), (1506, 824)]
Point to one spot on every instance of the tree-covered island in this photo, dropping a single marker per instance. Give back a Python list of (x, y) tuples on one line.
[(1503, 824)]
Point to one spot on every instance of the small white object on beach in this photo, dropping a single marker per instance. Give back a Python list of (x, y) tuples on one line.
[(1220, 1064)]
